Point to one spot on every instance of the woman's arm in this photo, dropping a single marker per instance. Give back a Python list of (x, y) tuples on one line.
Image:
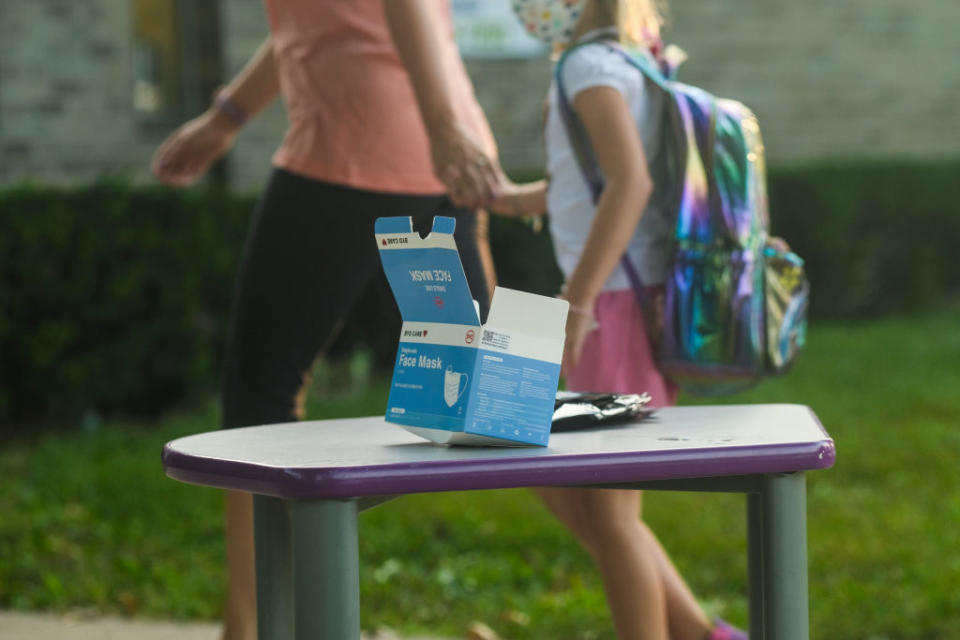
[(459, 161), (191, 149), (256, 86), (616, 144)]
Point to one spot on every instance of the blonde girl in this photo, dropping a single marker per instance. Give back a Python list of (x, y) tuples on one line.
[(606, 345)]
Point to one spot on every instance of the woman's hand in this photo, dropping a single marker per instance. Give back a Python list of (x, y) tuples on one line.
[(188, 152), (418, 32), (471, 177)]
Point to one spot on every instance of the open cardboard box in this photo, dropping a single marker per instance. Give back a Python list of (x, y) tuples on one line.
[(455, 381)]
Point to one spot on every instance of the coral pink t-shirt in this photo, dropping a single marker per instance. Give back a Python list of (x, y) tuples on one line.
[(353, 114)]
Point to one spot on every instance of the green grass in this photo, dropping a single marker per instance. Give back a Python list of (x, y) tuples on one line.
[(87, 519)]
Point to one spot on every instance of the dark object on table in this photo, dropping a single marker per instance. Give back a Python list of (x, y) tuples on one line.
[(575, 410)]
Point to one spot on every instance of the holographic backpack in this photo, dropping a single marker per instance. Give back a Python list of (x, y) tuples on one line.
[(735, 300)]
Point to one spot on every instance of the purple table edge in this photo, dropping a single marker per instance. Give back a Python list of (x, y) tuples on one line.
[(311, 590)]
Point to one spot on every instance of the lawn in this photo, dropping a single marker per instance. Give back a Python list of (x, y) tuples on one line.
[(88, 520)]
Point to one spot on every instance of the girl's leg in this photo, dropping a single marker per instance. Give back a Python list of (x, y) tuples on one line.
[(647, 597), (654, 599), (684, 616), (605, 523)]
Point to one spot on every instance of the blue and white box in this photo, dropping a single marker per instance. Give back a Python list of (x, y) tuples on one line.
[(456, 381)]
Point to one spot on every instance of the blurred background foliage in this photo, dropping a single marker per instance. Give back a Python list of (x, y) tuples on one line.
[(115, 298)]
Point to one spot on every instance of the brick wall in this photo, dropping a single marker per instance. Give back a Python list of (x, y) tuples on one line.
[(828, 80), (66, 87), (65, 90)]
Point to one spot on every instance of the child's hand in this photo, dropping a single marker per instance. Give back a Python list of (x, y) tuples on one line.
[(504, 201), (779, 244), (518, 200), (580, 322)]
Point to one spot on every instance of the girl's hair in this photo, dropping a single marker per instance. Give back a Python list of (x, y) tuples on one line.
[(638, 22)]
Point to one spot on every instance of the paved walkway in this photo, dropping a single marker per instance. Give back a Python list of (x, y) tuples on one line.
[(45, 626)]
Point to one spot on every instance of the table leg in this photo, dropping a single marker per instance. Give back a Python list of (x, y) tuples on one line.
[(755, 564), (273, 553), (326, 569), (783, 531)]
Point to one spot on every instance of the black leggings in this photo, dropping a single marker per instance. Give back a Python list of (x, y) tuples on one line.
[(311, 253)]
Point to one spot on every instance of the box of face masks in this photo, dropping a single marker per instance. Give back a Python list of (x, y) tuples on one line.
[(456, 381)]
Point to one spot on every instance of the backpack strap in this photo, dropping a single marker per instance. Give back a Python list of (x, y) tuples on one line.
[(580, 141)]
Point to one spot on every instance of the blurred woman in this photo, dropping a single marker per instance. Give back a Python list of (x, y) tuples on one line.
[(379, 124)]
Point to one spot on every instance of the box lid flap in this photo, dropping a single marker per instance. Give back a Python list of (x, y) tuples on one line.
[(425, 274), (528, 313)]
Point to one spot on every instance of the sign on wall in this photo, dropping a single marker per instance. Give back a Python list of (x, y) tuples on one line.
[(489, 29)]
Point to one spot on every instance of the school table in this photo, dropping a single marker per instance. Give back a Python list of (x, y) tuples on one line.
[(311, 479)]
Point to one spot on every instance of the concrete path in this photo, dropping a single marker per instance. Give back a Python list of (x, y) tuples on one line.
[(46, 626)]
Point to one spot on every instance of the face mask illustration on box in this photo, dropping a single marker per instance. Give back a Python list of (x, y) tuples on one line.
[(451, 386)]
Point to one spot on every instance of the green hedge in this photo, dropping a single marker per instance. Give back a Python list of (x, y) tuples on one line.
[(876, 237), (114, 298)]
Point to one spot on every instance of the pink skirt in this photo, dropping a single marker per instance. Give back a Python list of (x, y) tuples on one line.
[(616, 356)]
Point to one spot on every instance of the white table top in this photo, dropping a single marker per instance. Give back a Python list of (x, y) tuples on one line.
[(368, 456)]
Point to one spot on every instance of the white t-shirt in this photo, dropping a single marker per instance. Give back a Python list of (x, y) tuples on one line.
[(569, 203)]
